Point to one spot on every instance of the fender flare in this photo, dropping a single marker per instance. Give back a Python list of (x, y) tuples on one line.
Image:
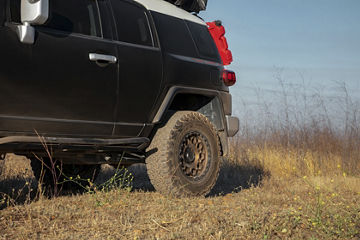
[(221, 100)]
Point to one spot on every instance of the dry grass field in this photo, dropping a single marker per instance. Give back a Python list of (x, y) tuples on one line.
[(259, 195), (295, 177)]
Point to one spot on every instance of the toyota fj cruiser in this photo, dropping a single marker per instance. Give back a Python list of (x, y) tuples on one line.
[(115, 81)]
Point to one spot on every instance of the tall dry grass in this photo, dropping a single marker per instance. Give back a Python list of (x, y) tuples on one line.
[(301, 132)]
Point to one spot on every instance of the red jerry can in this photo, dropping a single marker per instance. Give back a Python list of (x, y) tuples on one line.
[(217, 32)]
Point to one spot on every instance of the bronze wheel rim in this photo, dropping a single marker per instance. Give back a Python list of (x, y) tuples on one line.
[(194, 155)]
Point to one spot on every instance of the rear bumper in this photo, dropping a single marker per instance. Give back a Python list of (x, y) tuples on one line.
[(232, 124)]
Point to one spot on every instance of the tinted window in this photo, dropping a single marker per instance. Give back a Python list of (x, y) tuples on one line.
[(75, 16), (203, 40), (14, 10), (174, 35), (132, 23), (2, 12), (106, 19)]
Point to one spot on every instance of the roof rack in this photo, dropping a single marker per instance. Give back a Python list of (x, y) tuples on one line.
[(190, 5)]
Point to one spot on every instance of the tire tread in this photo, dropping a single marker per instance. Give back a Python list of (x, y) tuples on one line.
[(160, 169)]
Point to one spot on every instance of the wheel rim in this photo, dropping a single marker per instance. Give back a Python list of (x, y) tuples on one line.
[(194, 155)]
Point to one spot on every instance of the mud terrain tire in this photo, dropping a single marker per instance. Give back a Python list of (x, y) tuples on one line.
[(2, 165), (184, 156)]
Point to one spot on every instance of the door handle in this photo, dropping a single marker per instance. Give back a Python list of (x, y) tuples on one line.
[(102, 58)]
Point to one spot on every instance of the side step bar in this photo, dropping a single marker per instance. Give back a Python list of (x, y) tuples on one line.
[(129, 143)]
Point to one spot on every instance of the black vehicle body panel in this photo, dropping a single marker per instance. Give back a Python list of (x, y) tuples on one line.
[(139, 82), (52, 89), (183, 64), (140, 73), (52, 86)]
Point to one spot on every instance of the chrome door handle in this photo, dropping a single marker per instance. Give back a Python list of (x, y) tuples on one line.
[(95, 57)]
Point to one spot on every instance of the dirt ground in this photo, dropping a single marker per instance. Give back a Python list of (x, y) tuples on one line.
[(245, 204)]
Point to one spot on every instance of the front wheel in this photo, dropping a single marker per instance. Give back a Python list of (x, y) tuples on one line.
[(185, 156)]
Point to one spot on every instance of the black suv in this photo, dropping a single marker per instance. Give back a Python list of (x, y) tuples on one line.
[(95, 82)]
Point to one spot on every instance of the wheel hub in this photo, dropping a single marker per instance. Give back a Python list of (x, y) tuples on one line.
[(193, 155), (189, 155)]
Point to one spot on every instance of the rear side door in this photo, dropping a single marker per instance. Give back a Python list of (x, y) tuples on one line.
[(64, 84), (140, 67)]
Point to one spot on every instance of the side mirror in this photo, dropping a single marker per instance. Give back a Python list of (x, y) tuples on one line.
[(34, 12)]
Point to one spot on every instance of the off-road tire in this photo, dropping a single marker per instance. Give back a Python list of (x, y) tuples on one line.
[(43, 174), (165, 164), (2, 165)]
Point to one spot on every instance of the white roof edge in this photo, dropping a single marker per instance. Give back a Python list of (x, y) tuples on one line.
[(167, 8)]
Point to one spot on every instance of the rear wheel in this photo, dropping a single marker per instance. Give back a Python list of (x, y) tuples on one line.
[(185, 158), (2, 163)]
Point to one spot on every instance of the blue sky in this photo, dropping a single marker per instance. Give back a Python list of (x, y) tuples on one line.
[(317, 41)]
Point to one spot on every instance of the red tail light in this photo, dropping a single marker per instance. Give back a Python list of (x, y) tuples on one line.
[(229, 77)]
